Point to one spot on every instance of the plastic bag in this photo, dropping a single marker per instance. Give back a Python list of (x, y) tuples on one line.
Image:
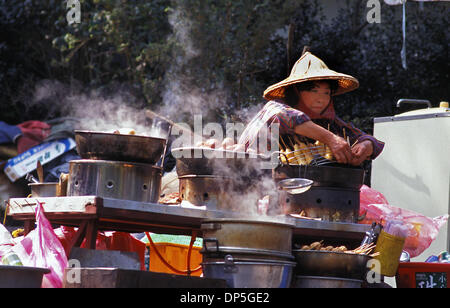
[(42, 248), (66, 234), (125, 242), (371, 196), (105, 241), (6, 241), (421, 230)]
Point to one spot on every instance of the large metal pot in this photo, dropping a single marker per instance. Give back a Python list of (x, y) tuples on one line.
[(119, 147), (249, 273), (246, 236), (330, 264), (112, 179)]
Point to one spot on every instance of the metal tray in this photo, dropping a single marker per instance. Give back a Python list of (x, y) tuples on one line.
[(330, 264)]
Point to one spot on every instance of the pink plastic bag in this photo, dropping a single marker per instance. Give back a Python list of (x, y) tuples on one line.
[(6, 241), (421, 230), (42, 248)]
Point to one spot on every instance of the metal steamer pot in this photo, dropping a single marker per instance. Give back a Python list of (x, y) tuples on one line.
[(218, 178), (119, 147), (217, 193), (250, 238), (114, 179), (250, 273), (334, 195), (248, 253)]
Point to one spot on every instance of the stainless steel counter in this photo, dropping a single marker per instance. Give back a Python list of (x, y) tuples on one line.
[(132, 216)]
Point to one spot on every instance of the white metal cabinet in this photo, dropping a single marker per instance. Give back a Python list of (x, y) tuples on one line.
[(413, 171)]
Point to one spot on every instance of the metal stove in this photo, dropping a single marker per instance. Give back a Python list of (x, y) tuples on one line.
[(117, 166), (334, 195)]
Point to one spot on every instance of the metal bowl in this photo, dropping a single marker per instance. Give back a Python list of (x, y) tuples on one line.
[(330, 264), (119, 147), (21, 276), (295, 186)]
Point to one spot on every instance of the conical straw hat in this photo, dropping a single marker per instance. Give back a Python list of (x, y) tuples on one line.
[(307, 68)]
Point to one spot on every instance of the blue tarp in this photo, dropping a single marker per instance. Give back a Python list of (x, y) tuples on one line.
[(9, 133)]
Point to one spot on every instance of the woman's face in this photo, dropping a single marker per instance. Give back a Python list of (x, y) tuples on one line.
[(318, 98)]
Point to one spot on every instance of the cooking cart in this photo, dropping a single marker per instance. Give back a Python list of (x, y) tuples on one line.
[(120, 193)]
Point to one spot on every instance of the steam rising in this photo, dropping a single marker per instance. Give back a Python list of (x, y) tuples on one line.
[(250, 182), (181, 101), (181, 98), (95, 111), (108, 115)]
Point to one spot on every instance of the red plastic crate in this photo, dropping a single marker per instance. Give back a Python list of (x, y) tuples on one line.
[(423, 275)]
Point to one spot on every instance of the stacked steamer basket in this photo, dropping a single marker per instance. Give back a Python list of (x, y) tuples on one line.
[(118, 166), (248, 253)]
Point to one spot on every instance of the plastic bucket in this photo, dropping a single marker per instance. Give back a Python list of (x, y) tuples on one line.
[(176, 256), (390, 248)]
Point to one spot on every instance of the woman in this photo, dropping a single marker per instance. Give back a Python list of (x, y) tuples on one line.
[(302, 105)]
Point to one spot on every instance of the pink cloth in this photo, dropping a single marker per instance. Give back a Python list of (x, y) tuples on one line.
[(33, 133)]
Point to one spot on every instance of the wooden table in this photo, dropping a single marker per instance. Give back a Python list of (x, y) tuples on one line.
[(92, 214)]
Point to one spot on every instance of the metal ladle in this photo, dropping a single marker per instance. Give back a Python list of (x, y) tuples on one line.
[(295, 186)]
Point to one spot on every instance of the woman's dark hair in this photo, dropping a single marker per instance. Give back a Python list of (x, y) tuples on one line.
[(290, 95)]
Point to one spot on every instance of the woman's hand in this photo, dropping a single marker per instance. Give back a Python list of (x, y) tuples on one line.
[(361, 151), (338, 145), (340, 149)]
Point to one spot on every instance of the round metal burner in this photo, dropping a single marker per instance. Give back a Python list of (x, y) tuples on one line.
[(334, 195), (114, 179), (206, 190)]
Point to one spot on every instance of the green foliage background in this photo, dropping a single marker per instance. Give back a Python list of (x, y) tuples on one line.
[(235, 48)]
